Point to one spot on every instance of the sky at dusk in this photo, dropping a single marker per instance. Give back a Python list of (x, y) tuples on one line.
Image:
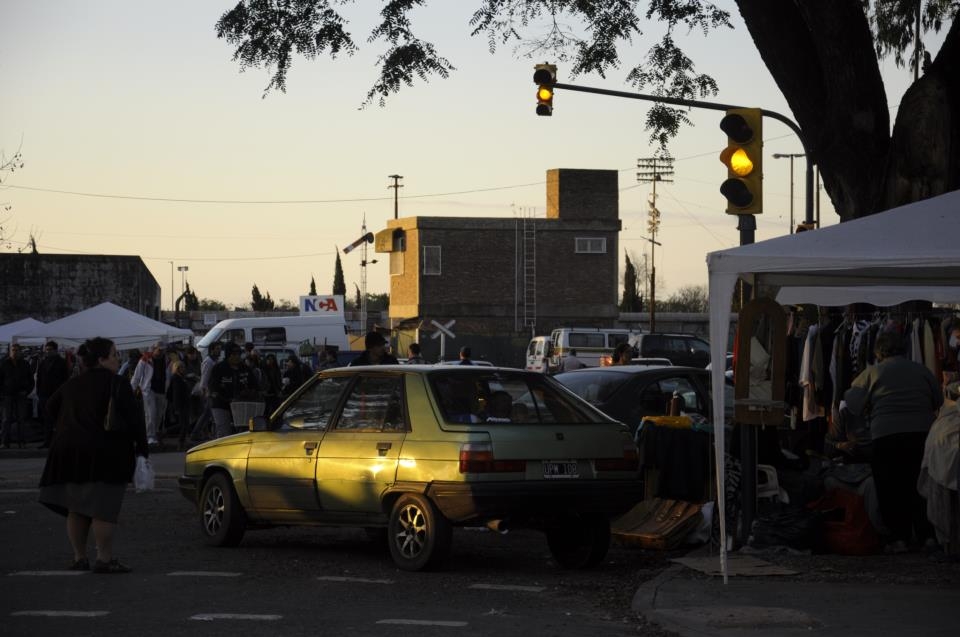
[(161, 147)]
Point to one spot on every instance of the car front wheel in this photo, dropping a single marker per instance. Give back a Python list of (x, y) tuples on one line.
[(579, 541), (418, 534), (222, 519)]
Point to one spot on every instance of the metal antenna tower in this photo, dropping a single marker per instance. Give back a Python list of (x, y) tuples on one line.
[(652, 170)]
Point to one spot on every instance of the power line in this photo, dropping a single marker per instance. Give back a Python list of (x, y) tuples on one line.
[(267, 202)]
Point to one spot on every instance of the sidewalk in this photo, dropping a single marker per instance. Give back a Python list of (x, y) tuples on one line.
[(693, 604)]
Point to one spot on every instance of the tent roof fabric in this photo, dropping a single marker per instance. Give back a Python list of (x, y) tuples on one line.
[(8, 331), (125, 328), (913, 244), (910, 246)]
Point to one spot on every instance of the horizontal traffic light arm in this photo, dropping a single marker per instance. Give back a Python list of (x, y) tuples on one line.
[(811, 158)]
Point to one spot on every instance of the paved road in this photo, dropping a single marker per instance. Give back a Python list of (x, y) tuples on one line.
[(294, 581)]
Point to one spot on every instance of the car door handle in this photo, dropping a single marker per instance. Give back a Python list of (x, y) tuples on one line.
[(309, 447), (382, 447)]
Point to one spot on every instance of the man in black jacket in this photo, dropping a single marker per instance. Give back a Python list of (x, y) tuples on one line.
[(230, 380), (375, 352), (16, 382), (51, 373)]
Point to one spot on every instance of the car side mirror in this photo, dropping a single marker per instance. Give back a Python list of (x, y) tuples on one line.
[(259, 423)]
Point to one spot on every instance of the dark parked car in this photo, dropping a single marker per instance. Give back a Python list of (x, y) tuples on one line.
[(679, 349), (628, 393)]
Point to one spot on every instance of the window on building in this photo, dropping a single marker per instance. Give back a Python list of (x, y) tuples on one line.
[(399, 240), (431, 260), (396, 263), (591, 245)]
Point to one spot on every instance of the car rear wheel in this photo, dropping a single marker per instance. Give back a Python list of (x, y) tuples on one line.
[(580, 541), (419, 535), (222, 519)]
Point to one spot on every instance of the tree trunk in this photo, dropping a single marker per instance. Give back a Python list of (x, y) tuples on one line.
[(822, 56)]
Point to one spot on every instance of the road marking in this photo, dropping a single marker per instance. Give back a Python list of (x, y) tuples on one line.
[(49, 573), (60, 613), (203, 574), (358, 580), (19, 491), (509, 587), (422, 622), (209, 617)]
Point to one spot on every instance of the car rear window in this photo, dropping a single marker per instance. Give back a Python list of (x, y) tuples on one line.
[(506, 397), (594, 387)]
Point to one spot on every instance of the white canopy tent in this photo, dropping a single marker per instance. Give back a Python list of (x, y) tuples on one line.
[(869, 260), (8, 331), (125, 328)]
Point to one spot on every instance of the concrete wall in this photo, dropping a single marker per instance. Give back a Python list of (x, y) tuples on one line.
[(48, 287)]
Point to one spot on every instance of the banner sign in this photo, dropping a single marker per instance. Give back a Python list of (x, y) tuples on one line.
[(330, 305)]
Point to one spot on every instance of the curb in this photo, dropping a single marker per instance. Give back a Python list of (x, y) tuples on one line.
[(689, 611)]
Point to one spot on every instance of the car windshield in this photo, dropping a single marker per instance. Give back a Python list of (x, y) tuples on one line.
[(210, 337), (595, 386), (471, 395)]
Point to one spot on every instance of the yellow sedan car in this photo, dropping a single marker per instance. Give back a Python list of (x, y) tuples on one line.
[(416, 450)]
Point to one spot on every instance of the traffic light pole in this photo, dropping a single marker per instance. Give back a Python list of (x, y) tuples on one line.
[(747, 226), (808, 205)]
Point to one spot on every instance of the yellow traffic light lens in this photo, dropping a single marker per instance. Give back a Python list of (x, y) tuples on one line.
[(740, 163), (544, 93)]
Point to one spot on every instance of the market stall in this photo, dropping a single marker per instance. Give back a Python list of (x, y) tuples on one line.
[(912, 247)]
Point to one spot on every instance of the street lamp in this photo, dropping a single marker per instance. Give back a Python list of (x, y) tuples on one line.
[(173, 294), (791, 157), (181, 269)]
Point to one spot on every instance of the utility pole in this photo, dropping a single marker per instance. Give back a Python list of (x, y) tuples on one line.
[(652, 170), (396, 191)]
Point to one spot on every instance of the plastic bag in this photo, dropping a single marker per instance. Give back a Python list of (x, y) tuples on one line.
[(143, 476)]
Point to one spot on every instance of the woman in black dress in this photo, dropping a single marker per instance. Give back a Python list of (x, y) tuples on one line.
[(88, 467)]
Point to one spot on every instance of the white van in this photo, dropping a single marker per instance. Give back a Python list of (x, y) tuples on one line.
[(279, 331), (590, 343), (538, 354)]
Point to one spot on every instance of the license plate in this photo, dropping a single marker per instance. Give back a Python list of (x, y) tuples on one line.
[(560, 469)]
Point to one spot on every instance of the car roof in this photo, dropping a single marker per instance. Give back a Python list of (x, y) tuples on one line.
[(633, 369)]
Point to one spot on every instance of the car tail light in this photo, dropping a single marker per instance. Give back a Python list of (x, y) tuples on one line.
[(629, 462), (478, 458)]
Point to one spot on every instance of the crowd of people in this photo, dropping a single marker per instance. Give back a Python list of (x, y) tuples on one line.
[(177, 390)]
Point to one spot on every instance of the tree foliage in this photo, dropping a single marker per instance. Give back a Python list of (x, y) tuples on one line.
[(190, 301), (689, 298), (339, 286), (313, 286), (211, 305), (8, 166), (260, 303), (824, 57), (632, 300)]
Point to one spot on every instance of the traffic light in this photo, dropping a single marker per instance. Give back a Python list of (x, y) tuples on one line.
[(545, 76), (743, 158)]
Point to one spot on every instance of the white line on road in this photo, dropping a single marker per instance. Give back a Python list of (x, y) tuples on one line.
[(33, 490), (422, 622), (204, 574), (49, 573), (509, 587), (209, 617), (60, 613), (358, 580)]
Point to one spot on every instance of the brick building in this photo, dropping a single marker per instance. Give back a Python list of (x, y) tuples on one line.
[(50, 286), (504, 280)]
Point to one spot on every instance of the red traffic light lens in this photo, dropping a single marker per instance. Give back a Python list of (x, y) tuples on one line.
[(736, 128)]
